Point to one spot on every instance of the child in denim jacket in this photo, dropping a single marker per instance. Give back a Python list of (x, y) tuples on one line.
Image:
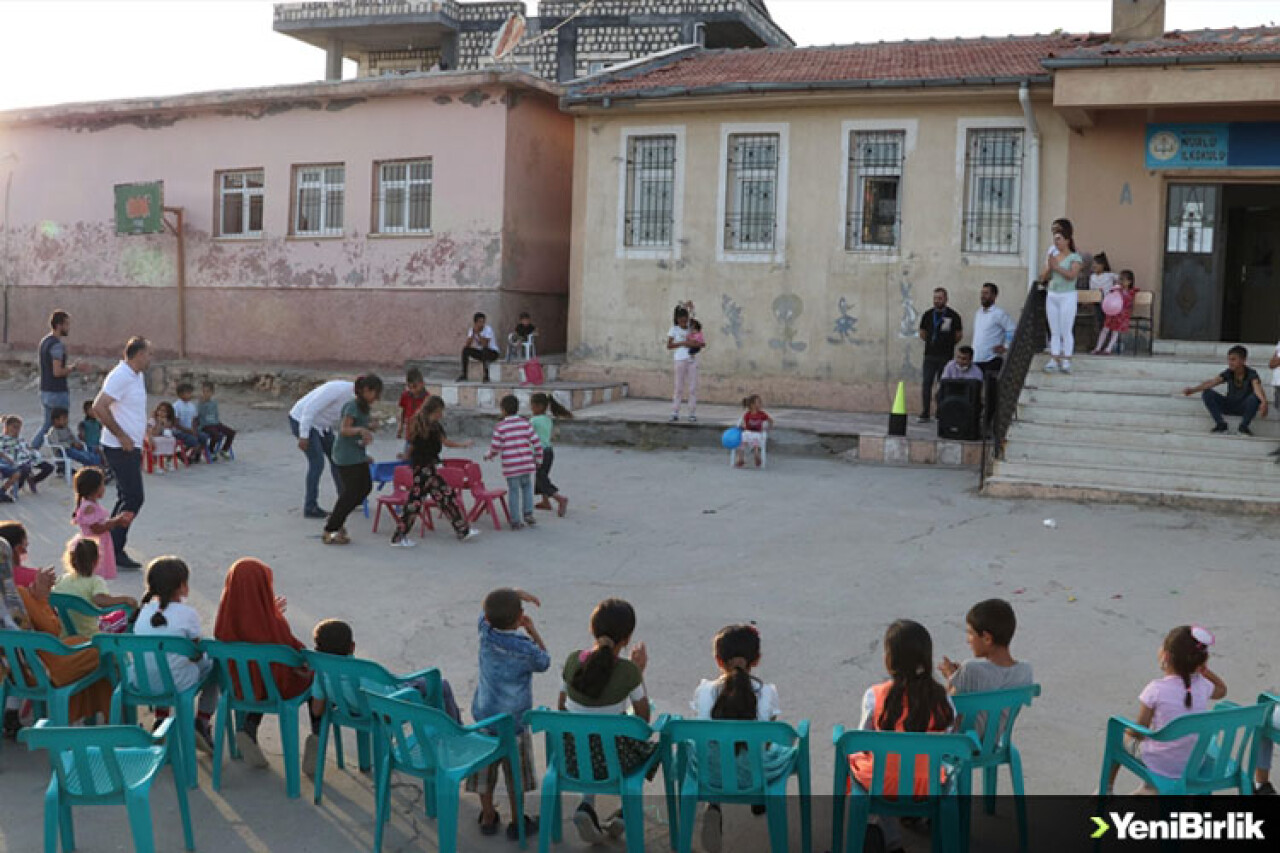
[(508, 660)]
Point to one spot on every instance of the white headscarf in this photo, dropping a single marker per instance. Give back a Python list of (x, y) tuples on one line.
[(13, 614)]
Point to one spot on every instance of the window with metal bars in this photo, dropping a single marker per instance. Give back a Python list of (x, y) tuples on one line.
[(240, 197), (993, 192), (649, 216), (403, 201), (319, 200), (874, 202), (751, 208)]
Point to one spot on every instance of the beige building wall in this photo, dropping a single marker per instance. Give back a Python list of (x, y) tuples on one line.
[(772, 326)]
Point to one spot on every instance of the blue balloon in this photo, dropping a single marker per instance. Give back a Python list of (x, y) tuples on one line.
[(731, 439)]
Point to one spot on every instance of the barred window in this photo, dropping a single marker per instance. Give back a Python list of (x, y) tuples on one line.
[(403, 203), (874, 202), (751, 209), (240, 203), (649, 216), (320, 200), (993, 191)]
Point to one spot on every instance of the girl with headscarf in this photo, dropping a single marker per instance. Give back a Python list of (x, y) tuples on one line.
[(251, 612)]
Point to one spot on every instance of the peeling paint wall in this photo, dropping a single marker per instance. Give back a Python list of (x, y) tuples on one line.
[(824, 322), (60, 245)]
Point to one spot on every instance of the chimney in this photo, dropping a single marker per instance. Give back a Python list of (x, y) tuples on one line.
[(1137, 20)]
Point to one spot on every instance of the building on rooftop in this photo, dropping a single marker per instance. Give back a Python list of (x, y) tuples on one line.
[(567, 40)]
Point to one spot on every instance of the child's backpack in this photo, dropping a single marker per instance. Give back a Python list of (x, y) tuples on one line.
[(531, 372)]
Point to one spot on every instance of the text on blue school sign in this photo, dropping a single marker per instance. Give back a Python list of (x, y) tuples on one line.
[(1234, 145)]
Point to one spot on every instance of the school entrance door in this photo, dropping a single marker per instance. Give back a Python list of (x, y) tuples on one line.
[(1222, 263)]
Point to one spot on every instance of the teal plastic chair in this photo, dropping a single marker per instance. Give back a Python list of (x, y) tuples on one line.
[(22, 647), (126, 658), (947, 757), (1270, 734), (561, 728), (64, 605), (975, 712), (1222, 757), (723, 761), (236, 663), (427, 743), (104, 766), (340, 679)]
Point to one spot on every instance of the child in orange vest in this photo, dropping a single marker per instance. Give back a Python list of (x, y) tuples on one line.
[(911, 701)]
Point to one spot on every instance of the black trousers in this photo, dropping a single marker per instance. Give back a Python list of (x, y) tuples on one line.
[(932, 373), (484, 356), (356, 486), (990, 386), (542, 484), (127, 467)]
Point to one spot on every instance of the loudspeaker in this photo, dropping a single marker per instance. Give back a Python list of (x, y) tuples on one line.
[(960, 409)]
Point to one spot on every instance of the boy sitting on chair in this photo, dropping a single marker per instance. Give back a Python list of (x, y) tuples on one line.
[(523, 332)]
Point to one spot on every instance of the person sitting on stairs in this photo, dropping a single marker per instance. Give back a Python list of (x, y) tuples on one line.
[(1244, 396)]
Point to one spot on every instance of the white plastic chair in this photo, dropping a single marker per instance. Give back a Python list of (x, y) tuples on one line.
[(62, 460), (764, 449), (525, 347)]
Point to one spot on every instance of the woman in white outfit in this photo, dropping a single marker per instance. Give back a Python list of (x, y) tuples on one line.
[(1062, 268)]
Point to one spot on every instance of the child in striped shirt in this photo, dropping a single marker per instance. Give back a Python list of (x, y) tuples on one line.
[(516, 442)]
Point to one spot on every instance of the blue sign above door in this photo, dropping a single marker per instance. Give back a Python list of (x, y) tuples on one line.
[(1234, 145)]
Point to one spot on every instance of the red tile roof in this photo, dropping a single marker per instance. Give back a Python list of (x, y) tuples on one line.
[(953, 61), (1236, 44)]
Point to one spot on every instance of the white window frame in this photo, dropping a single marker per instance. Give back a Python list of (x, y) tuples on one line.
[(779, 252), (989, 259), (246, 193), (910, 130), (677, 196), (381, 184), (325, 229)]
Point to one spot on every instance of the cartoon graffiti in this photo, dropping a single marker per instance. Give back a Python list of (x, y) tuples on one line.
[(787, 308), (845, 325), (910, 316), (732, 319)]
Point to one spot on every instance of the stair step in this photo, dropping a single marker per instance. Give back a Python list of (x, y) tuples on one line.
[(572, 395), (1188, 371), (1230, 444), (1154, 457), (1109, 401), (1189, 423), (1016, 487), (1146, 479), (1208, 349)]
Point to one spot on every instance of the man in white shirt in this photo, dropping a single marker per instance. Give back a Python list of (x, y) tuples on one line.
[(482, 345), (312, 420), (121, 406), (992, 329)]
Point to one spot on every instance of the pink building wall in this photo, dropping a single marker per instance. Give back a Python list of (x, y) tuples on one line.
[(499, 216)]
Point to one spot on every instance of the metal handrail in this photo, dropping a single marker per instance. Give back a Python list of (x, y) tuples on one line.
[(1028, 340)]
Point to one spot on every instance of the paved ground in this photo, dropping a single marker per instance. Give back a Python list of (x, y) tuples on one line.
[(821, 554)]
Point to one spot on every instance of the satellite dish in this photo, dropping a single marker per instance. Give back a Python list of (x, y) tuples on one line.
[(508, 37)]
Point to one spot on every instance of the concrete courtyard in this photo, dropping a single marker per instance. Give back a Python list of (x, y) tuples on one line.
[(822, 555)]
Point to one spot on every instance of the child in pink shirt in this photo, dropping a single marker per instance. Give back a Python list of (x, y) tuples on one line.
[(515, 440), (94, 520)]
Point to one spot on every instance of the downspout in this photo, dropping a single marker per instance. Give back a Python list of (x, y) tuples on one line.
[(1033, 173)]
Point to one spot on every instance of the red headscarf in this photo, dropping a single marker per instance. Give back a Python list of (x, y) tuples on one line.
[(248, 613)]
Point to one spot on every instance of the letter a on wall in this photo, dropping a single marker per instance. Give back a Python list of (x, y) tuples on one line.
[(140, 208)]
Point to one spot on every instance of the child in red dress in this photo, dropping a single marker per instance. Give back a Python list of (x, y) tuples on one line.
[(1116, 325), (753, 424)]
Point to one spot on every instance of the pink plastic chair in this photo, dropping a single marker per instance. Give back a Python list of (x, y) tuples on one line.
[(456, 478), (485, 498), (457, 462), (401, 482)]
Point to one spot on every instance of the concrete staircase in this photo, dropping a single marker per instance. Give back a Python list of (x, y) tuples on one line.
[(1119, 429), (504, 378)]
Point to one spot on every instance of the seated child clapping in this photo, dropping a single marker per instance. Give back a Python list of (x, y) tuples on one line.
[(22, 462), (989, 627), (1187, 687), (80, 580)]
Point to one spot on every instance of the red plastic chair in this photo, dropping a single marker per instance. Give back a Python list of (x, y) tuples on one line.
[(485, 498), (401, 482), (455, 477), (159, 457), (457, 462)]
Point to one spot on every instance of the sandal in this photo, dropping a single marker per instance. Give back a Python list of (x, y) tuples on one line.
[(530, 828), (492, 827)]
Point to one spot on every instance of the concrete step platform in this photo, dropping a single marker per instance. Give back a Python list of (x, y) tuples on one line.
[(1156, 404), (439, 371), (1004, 486), (485, 397), (1154, 479), (1152, 457), (1209, 349), (1182, 369), (1190, 422), (1086, 435)]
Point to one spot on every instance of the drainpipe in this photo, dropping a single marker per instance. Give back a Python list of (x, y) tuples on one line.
[(1033, 174)]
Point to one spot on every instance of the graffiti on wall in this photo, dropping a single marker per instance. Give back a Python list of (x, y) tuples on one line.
[(908, 328), (845, 325), (787, 308), (732, 319)]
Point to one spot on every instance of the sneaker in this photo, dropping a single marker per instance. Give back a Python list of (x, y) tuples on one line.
[(515, 525), (250, 751), (530, 521), (588, 824), (469, 535), (310, 749), (124, 561), (1266, 789), (204, 737), (530, 828), (403, 541), (335, 537), (315, 512), (1066, 367), (1050, 366), (712, 829), (693, 419), (673, 418), (1219, 428), (5, 498), (1244, 430), (224, 455), (616, 825), (12, 724)]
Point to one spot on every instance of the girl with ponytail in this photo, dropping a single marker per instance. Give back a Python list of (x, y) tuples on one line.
[(599, 680), (164, 613), (1187, 687)]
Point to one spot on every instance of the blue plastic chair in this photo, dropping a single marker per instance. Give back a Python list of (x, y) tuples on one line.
[(1222, 757), (382, 473), (975, 713), (241, 660), (20, 649), (102, 766), (130, 660), (947, 757), (561, 728), (340, 680), (64, 605), (723, 761), (428, 744)]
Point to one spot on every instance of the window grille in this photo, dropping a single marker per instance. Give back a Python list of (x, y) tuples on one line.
[(320, 200), (751, 217), (649, 215), (874, 202), (993, 180), (403, 201)]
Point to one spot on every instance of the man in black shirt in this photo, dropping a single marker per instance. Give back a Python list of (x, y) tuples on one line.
[(1244, 397), (940, 330), (54, 370)]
